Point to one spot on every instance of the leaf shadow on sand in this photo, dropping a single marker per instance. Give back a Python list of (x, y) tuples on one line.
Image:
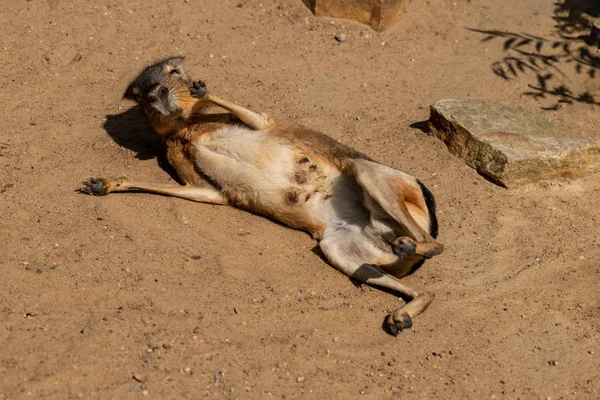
[(548, 58)]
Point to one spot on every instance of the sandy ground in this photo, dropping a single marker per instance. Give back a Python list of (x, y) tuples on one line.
[(204, 301)]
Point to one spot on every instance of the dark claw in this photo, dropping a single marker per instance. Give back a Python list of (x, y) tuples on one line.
[(93, 186), (405, 324), (393, 330), (198, 89), (394, 326)]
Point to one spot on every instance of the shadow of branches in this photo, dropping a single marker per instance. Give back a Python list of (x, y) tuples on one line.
[(548, 59)]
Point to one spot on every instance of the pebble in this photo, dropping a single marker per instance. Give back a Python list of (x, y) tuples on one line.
[(196, 330), (140, 377), (300, 379), (341, 37), (166, 346), (553, 363)]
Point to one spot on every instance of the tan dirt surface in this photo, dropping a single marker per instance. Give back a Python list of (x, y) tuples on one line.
[(135, 294)]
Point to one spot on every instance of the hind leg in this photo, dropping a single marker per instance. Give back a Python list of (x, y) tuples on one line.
[(396, 196), (104, 186), (354, 254)]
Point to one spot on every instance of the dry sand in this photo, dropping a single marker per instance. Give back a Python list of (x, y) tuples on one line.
[(204, 301)]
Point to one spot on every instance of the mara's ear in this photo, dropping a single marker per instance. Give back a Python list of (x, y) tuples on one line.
[(132, 92), (175, 64), (175, 61)]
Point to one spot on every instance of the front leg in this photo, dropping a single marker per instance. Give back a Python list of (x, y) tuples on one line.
[(104, 186), (253, 120)]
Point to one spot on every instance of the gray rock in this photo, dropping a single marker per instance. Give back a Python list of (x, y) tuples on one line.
[(508, 145)]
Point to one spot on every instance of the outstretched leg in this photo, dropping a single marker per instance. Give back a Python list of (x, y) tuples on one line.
[(104, 186), (350, 251), (392, 194), (253, 120)]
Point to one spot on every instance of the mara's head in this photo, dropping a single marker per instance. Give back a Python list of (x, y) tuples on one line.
[(162, 90)]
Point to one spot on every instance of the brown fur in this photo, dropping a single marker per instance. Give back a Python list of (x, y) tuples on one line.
[(373, 222)]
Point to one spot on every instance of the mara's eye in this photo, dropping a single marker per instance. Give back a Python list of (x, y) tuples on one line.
[(152, 98), (176, 71)]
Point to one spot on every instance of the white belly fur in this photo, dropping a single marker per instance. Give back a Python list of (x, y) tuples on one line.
[(263, 166), (253, 161)]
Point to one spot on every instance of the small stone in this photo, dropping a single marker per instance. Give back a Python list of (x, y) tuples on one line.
[(335, 339), (341, 37), (166, 346), (140, 377), (510, 146), (553, 363), (196, 330), (300, 379), (218, 376)]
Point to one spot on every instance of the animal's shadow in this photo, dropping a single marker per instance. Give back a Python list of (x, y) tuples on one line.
[(131, 130)]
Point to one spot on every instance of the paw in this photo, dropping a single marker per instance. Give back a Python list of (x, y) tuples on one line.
[(198, 89), (95, 186), (396, 322), (403, 246)]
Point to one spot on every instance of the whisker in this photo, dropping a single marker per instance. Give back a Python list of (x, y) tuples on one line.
[(180, 90), (185, 102), (187, 70)]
